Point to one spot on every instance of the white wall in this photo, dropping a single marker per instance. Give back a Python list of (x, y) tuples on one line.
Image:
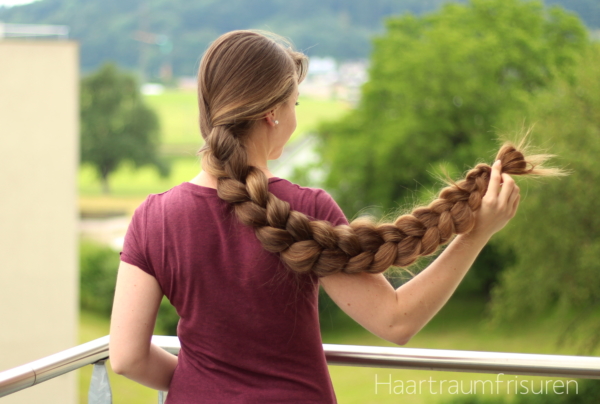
[(39, 149)]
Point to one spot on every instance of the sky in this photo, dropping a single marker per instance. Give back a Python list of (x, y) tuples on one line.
[(14, 2)]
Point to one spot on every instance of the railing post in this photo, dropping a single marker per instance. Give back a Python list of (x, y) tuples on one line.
[(100, 392)]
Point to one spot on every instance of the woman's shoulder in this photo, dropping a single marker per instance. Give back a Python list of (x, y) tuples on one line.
[(289, 191), (175, 198), (283, 184), (314, 202)]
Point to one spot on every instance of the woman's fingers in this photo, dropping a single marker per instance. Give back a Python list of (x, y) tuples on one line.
[(495, 178), (508, 186), (514, 195), (509, 195), (500, 202), (515, 205)]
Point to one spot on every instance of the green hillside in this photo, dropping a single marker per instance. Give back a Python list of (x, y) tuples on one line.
[(178, 31)]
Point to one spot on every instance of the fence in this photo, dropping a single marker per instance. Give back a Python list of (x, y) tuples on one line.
[(96, 352)]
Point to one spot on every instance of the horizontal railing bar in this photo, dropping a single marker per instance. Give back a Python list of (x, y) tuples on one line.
[(586, 367), (38, 371), (169, 344)]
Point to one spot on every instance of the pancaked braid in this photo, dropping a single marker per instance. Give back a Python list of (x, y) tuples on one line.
[(306, 245)]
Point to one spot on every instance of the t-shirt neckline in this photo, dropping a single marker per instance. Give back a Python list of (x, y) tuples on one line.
[(213, 191)]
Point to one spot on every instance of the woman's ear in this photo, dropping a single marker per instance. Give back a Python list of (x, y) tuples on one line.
[(270, 118)]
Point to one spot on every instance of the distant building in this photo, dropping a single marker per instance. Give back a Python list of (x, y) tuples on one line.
[(39, 156), (32, 31), (328, 79)]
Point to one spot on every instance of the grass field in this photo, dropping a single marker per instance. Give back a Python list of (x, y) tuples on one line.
[(457, 326), (177, 112), (178, 115)]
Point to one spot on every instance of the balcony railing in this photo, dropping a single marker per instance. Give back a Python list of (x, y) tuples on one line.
[(96, 353)]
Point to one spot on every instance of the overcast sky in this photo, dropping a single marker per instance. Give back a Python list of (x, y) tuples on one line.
[(14, 2)]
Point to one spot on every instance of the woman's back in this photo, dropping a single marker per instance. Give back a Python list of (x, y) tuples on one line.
[(249, 327), (249, 318)]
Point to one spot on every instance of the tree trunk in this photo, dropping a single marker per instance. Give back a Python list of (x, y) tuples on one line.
[(105, 187)]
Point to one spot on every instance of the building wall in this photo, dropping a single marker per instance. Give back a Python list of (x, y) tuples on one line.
[(39, 149)]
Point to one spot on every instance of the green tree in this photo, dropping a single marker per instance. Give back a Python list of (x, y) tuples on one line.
[(439, 87), (116, 125), (556, 233)]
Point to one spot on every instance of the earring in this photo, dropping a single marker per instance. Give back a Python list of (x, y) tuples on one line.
[(276, 122)]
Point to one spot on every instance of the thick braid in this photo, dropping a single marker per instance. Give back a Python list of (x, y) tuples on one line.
[(308, 245), (243, 77)]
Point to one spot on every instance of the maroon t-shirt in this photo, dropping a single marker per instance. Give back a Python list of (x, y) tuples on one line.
[(249, 328)]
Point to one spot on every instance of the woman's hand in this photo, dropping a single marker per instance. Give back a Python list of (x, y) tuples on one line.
[(499, 204)]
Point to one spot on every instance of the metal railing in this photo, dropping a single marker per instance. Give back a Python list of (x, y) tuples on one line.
[(96, 352)]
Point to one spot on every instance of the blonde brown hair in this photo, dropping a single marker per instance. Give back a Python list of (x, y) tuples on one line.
[(245, 74)]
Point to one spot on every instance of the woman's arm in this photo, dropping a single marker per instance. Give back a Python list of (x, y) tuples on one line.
[(397, 315), (137, 298)]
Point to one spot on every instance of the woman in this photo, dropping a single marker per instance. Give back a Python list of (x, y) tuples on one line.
[(241, 253)]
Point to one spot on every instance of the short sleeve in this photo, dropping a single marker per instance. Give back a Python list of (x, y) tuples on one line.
[(134, 246), (327, 209)]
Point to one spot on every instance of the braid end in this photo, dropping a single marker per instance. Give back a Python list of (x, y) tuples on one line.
[(515, 161)]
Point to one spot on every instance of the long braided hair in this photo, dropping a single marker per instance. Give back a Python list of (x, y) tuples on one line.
[(243, 75)]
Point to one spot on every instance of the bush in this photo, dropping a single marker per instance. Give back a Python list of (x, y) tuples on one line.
[(98, 266), (167, 318)]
